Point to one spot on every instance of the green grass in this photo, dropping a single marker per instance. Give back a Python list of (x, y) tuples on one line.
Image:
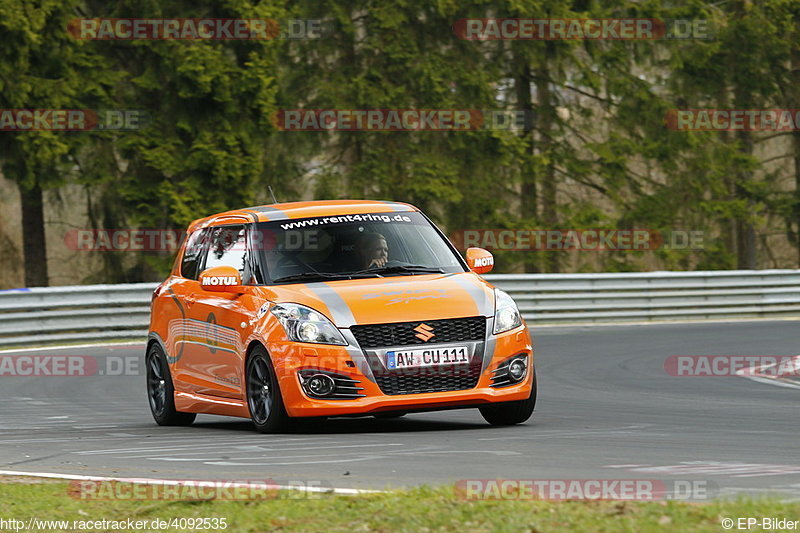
[(416, 510)]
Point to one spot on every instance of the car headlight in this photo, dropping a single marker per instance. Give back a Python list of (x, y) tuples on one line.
[(506, 314), (303, 324)]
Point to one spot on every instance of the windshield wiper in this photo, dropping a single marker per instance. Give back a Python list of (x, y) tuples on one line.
[(325, 275), (399, 269)]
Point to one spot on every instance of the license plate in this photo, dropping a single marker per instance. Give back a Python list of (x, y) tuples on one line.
[(427, 357)]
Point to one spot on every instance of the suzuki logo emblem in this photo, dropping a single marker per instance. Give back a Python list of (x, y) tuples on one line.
[(424, 332)]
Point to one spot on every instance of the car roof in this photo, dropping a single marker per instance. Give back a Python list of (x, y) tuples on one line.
[(291, 210)]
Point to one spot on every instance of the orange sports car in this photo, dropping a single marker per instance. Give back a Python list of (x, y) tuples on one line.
[(309, 310)]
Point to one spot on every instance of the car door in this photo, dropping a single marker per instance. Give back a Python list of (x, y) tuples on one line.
[(181, 291), (213, 360)]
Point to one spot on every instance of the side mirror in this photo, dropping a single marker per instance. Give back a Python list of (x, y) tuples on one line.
[(221, 279), (479, 260)]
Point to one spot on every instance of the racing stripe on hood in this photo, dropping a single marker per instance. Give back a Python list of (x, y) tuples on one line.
[(273, 213), (491, 341), (340, 312), (357, 355), (476, 290), (342, 318), (485, 306)]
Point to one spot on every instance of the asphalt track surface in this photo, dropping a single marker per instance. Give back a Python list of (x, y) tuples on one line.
[(607, 410)]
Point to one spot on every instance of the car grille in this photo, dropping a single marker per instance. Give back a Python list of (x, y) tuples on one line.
[(403, 334), (421, 380)]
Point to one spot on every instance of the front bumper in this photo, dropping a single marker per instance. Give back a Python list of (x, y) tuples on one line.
[(290, 357)]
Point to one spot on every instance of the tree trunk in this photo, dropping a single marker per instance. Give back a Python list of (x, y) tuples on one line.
[(528, 190), (729, 228), (796, 207), (794, 103), (744, 99), (33, 237), (746, 233), (545, 122)]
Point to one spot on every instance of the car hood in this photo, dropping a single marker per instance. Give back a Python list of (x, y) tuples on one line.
[(394, 298)]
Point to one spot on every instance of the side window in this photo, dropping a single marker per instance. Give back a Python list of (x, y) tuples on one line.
[(193, 255), (228, 247)]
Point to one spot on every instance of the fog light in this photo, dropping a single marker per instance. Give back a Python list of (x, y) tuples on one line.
[(516, 369), (320, 385)]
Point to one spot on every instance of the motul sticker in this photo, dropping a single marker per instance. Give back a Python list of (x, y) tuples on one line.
[(484, 261), (219, 280)]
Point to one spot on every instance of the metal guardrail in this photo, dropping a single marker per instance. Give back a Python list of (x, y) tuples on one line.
[(98, 312), (46, 315), (653, 296)]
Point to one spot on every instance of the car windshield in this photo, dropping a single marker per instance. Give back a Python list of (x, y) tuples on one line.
[(352, 246)]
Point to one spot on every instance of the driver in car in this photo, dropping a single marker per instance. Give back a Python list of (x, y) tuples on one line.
[(373, 250)]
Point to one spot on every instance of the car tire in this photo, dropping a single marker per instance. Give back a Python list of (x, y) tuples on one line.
[(161, 391), (264, 399), (511, 413)]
